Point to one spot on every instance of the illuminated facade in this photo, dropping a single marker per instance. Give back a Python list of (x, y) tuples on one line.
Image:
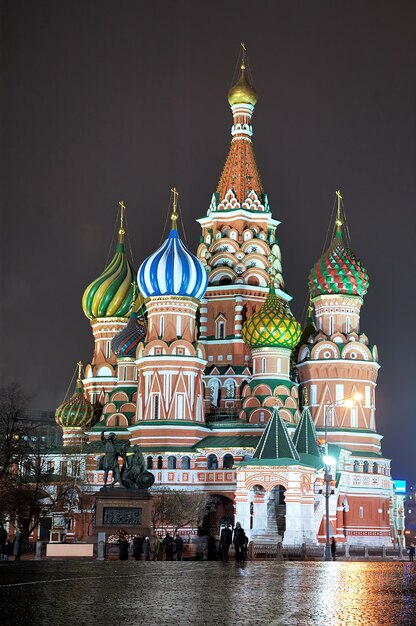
[(209, 372)]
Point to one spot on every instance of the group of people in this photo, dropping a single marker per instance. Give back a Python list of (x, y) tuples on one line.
[(140, 547), (239, 539), (10, 548)]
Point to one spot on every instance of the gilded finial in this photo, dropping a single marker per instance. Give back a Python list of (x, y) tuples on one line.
[(121, 231), (305, 396), (174, 216), (134, 294), (276, 397), (79, 365), (243, 56), (338, 221)]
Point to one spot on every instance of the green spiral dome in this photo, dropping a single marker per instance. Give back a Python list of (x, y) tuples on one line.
[(111, 294), (273, 326), (76, 412)]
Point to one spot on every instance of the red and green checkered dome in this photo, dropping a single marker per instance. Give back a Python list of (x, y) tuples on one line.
[(338, 271), (76, 412), (273, 326)]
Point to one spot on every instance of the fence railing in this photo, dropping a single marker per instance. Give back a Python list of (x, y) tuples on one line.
[(314, 552)]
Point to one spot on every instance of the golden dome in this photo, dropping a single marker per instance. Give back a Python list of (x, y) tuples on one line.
[(242, 92)]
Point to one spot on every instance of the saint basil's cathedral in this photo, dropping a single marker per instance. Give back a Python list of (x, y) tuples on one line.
[(199, 360)]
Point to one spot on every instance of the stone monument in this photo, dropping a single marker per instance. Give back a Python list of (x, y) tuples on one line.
[(126, 502)]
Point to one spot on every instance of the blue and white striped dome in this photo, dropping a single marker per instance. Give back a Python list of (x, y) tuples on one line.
[(172, 271)]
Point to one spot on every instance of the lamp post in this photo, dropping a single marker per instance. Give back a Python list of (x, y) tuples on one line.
[(329, 462)]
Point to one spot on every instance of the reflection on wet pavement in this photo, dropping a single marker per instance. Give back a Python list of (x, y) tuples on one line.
[(208, 593)]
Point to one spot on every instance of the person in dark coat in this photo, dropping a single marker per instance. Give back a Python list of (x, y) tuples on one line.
[(239, 541), (137, 547), (168, 547), (123, 548), (3, 538), (179, 547), (146, 549), (226, 537), (6, 550), (333, 548), (411, 551)]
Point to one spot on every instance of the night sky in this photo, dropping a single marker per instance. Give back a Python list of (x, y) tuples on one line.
[(104, 100)]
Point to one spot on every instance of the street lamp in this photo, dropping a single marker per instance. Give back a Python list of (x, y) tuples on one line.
[(329, 463)]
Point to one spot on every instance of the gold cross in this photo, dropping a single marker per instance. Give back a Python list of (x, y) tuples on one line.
[(122, 209), (174, 215), (79, 364), (339, 221)]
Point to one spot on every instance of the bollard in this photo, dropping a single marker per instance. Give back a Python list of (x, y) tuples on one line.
[(303, 552), (101, 547), (366, 552), (38, 554), (279, 551), (383, 551), (250, 552), (400, 552), (347, 551)]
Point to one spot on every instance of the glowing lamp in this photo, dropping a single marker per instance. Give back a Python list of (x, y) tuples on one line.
[(328, 460)]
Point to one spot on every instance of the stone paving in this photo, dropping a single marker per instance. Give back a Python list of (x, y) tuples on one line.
[(202, 593)]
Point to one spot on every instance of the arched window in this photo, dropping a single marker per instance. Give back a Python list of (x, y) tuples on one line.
[(186, 463), (159, 462), (356, 467), (212, 462), (375, 468), (162, 326), (171, 462), (149, 462), (228, 461), (263, 365), (365, 467), (220, 330), (178, 326)]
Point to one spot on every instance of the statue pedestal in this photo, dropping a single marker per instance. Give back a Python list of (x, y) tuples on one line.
[(117, 507)]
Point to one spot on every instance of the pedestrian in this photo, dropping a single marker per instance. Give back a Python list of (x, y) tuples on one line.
[(146, 549), (179, 547), (157, 555), (137, 547), (333, 548), (6, 550), (411, 551), (17, 545), (3, 538), (225, 542), (168, 547), (123, 548), (240, 543)]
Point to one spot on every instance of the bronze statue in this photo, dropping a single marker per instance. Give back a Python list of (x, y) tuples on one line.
[(110, 459), (133, 474)]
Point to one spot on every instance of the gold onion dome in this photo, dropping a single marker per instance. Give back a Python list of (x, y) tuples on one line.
[(273, 326), (242, 92), (76, 412), (111, 294)]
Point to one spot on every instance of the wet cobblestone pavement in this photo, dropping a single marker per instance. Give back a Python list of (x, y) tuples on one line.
[(207, 593)]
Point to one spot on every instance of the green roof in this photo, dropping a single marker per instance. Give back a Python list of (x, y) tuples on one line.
[(275, 442), (231, 441), (305, 435)]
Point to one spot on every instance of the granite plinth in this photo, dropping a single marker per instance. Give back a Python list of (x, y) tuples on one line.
[(117, 507)]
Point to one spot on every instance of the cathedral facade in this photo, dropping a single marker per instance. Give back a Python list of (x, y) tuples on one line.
[(199, 360)]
